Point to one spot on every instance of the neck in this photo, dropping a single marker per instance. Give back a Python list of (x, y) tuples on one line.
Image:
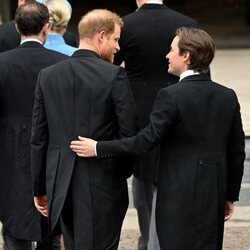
[(89, 44)]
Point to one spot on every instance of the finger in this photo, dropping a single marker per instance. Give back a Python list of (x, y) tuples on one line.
[(228, 216), (81, 154), (76, 147), (76, 143), (78, 151), (44, 213), (81, 138)]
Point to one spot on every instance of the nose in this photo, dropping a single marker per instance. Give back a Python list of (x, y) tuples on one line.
[(117, 47)]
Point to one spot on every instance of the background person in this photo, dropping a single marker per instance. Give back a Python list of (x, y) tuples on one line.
[(10, 38), (145, 40), (59, 16), (19, 69)]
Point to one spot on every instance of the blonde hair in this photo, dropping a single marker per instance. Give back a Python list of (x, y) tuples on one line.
[(59, 15), (96, 21)]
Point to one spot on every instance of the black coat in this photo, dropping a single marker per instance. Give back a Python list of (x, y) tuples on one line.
[(198, 125), (19, 69), (86, 96), (10, 38), (145, 40)]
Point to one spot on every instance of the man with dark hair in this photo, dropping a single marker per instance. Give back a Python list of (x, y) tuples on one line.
[(10, 38), (84, 94), (19, 69), (197, 124)]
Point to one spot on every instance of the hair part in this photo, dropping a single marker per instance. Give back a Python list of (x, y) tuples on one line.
[(200, 46), (59, 15), (96, 21), (31, 18)]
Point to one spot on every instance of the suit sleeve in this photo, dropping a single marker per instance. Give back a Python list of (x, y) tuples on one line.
[(124, 105), (235, 155), (39, 142), (162, 117)]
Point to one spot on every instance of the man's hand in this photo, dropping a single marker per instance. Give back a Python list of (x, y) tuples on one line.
[(229, 208), (41, 204), (84, 147)]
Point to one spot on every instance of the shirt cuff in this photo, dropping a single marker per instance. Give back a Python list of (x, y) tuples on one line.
[(96, 149)]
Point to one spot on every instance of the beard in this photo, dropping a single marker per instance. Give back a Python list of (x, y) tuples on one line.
[(107, 55)]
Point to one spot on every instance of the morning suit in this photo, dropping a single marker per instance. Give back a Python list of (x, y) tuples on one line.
[(88, 96), (198, 125), (19, 69), (145, 40), (10, 38)]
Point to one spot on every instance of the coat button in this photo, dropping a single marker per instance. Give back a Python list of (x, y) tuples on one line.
[(200, 162)]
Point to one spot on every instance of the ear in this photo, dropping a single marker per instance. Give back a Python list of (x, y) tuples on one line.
[(186, 57), (45, 29), (17, 28), (101, 36)]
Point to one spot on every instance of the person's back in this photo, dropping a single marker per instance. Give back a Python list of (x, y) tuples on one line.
[(93, 96), (196, 156), (19, 69), (85, 94), (145, 41)]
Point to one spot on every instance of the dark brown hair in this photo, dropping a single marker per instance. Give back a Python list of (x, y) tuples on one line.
[(31, 18), (200, 46)]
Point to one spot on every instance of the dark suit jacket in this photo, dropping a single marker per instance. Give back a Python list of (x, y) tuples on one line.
[(19, 69), (10, 38), (87, 96), (145, 41), (198, 125)]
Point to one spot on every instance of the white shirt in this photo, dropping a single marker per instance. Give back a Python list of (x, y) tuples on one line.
[(31, 40), (155, 1), (188, 72)]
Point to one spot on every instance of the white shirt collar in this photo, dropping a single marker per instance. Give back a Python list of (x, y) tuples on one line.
[(188, 72), (31, 40), (155, 1)]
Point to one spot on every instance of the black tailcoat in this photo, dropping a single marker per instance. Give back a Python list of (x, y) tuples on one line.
[(198, 125), (19, 69), (86, 96)]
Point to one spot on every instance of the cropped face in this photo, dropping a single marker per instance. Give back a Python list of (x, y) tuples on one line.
[(110, 44), (177, 63)]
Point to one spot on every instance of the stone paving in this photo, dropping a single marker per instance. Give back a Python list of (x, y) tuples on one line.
[(230, 67), (236, 236)]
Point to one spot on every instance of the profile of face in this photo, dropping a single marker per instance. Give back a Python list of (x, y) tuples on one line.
[(110, 44), (176, 63)]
